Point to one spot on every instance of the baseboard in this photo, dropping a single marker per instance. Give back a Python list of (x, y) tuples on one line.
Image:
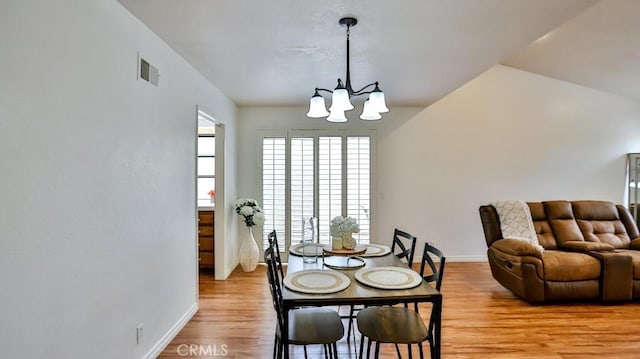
[(227, 271), (482, 258), (450, 259), (168, 337)]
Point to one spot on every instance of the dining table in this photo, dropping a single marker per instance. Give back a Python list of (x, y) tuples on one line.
[(357, 293)]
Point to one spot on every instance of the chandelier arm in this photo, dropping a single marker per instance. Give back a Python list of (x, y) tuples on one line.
[(326, 90), (362, 92)]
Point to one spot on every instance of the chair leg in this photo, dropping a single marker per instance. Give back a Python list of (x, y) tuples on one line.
[(335, 350), (409, 350), (376, 355), (362, 338), (350, 321), (398, 350), (326, 351), (275, 347), (368, 347), (305, 351), (421, 351)]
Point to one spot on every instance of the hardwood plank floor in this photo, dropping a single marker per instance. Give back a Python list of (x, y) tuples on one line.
[(481, 319)]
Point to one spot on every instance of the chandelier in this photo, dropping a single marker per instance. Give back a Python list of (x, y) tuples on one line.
[(341, 95)]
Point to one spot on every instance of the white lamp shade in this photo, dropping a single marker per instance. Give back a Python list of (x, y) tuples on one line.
[(336, 116), (317, 107), (368, 113), (376, 100), (340, 100)]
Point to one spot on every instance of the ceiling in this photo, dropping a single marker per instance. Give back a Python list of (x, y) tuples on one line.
[(276, 52), (599, 48)]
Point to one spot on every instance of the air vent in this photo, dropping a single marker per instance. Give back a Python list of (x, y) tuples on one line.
[(148, 72)]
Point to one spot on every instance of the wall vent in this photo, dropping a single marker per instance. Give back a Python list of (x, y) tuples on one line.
[(148, 72)]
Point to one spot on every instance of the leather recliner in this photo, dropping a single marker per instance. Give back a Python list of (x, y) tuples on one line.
[(591, 251)]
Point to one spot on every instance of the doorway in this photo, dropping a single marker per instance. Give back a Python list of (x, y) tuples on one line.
[(209, 193)]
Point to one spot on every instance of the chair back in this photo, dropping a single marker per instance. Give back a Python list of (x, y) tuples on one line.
[(404, 250), (436, 273), (274, 284), (273, 244), (427, 260)]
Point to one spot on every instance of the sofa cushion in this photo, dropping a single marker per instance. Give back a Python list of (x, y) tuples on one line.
[(562, 222), (629, 222), (609, 232), (585, 247), (541, 226), (599, 222), (563, 266)]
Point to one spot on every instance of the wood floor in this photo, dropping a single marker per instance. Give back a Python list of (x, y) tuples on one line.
[(481, 319)]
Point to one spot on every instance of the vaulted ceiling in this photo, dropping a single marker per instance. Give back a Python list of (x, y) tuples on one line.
[(276, 52)]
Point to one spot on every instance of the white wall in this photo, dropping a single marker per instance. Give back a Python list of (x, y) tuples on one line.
[(508, 134), (97, 216)]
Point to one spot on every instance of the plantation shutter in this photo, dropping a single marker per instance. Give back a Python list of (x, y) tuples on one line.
[(302, 184), (329, 183), (359, 184), (274, 188)]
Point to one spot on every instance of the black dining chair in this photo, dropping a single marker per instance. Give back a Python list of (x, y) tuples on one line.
[(401, 325), (273, 243), (307, 326), (402, 246)]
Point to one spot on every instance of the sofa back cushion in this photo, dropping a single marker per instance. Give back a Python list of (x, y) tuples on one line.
[(562, 222), (599, 221), (628, 221), (541, 225)]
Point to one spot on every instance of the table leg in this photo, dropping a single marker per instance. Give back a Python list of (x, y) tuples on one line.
[(285, 332), (437, 328)]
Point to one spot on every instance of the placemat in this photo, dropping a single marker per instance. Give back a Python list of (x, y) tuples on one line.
[(317, 281), (388, 277), (376, 250)]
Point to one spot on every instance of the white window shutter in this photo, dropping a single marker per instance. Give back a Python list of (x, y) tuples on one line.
[(274, 188)]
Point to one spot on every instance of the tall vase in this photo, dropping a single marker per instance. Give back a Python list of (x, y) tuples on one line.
[(248, 252)]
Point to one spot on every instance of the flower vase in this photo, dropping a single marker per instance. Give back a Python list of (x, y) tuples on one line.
[(348, 242), (336, 243), (248, 252)]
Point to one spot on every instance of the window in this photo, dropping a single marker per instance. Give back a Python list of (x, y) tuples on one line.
[(316, 173), (206, 177)]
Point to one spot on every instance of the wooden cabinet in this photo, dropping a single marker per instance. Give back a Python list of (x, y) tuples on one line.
[(205, 239)]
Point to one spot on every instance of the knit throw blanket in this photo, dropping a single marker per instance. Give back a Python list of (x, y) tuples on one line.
[(516, 221)]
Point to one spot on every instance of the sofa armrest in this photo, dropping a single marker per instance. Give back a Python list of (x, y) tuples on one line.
[(635, 244), (584, 247), (517, 247)]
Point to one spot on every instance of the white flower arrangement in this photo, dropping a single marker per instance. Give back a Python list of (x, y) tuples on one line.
[(250, 211), (344, 226)]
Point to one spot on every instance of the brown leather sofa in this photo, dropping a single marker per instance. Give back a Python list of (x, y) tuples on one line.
[(591, 251)]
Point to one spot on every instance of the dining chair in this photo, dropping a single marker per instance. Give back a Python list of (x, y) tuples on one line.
[(401, 250), (307, 326), (403, 245), (273, 243), (402, 325)]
